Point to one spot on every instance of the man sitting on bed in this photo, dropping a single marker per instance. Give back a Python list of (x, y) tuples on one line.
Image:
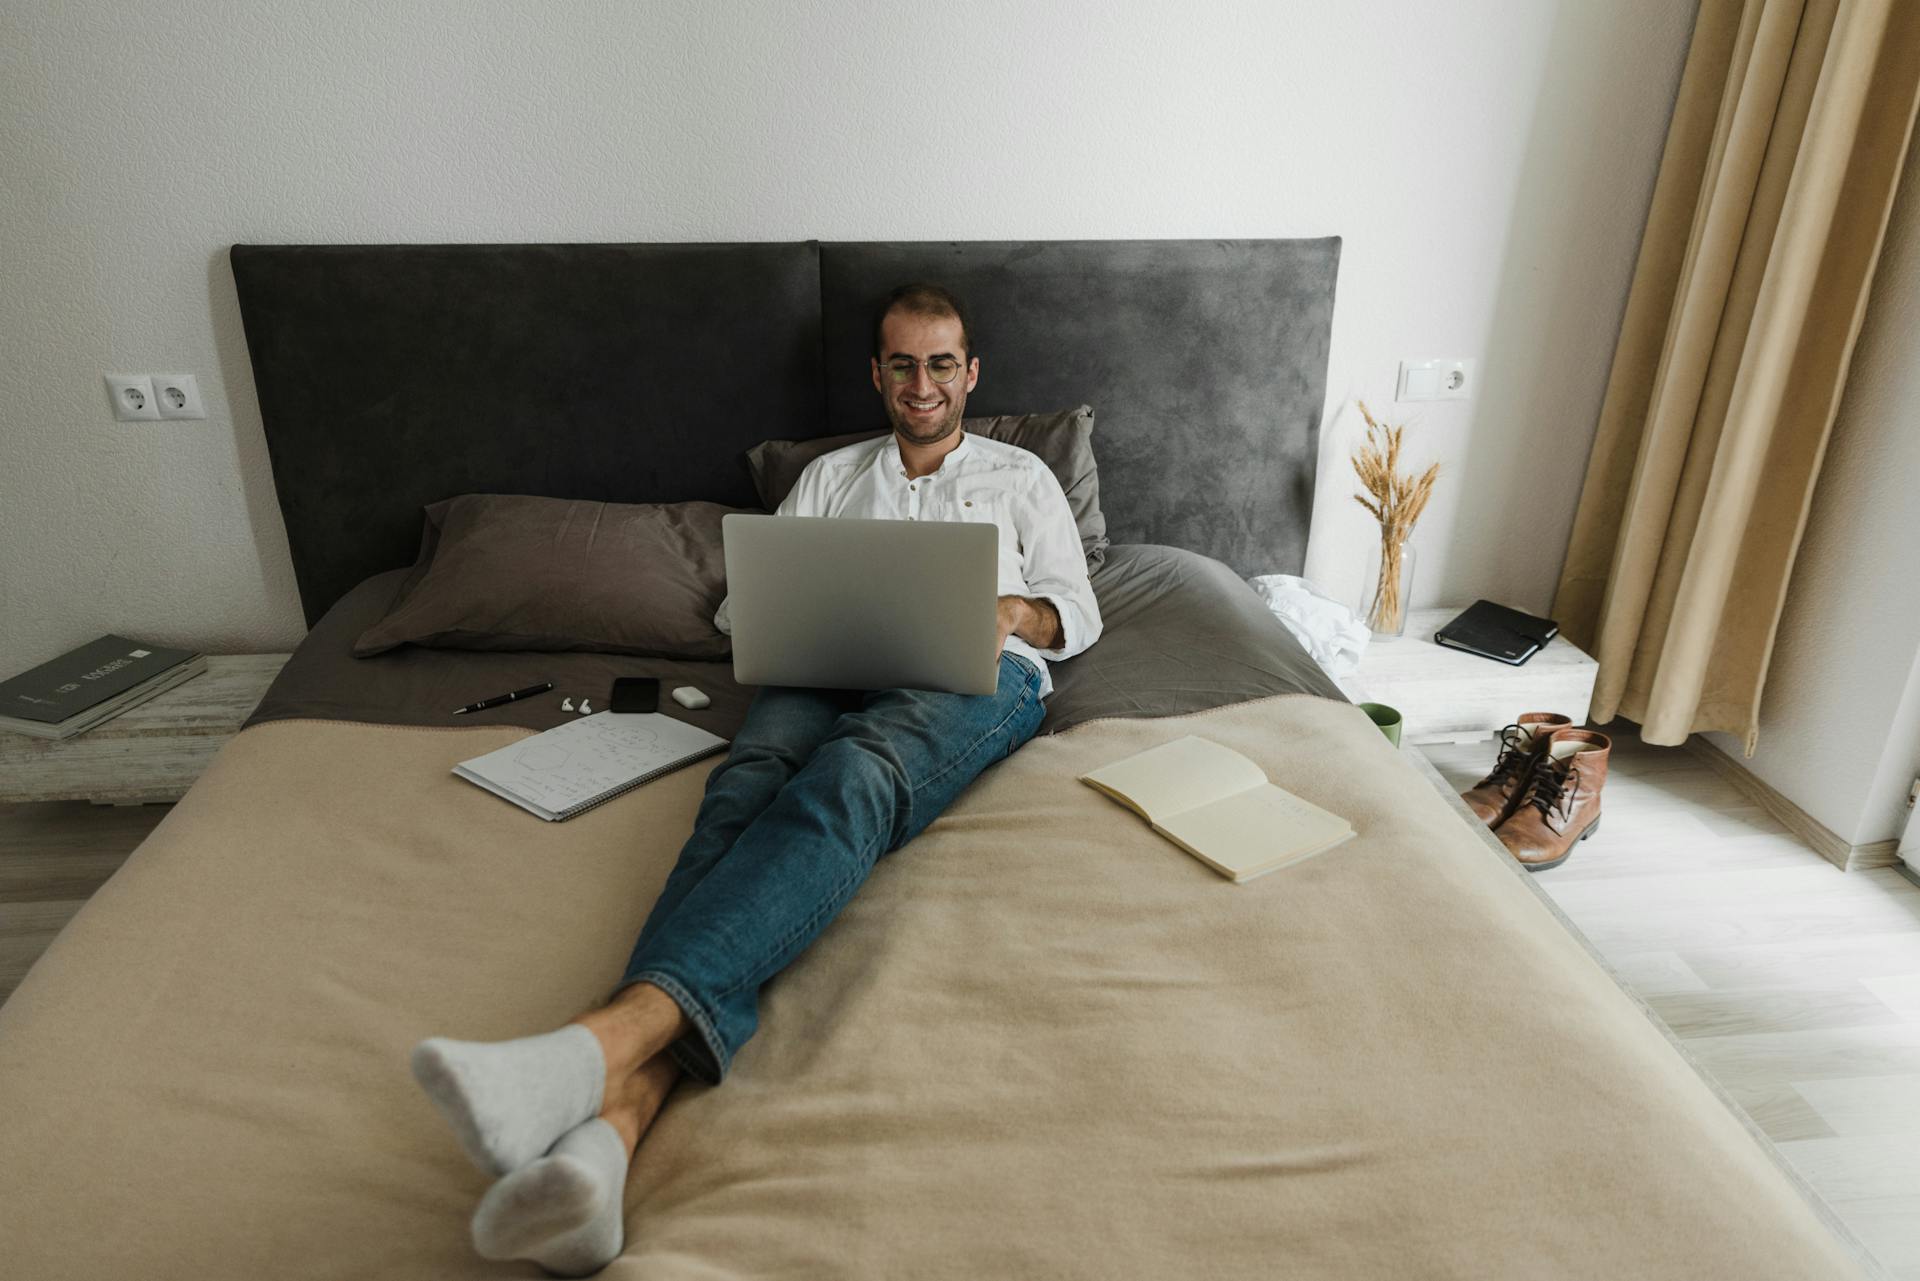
[(817, 785)]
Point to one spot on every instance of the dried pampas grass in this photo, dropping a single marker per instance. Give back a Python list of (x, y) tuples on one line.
[(1397, 503)]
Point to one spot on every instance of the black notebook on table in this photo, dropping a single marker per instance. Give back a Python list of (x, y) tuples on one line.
[(1496, 632)]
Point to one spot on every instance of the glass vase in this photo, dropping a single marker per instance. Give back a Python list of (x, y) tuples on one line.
[(1389, 580)]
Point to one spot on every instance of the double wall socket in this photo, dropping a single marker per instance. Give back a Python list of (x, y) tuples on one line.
[(150, 397)]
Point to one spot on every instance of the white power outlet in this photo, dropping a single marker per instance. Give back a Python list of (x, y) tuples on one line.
[(133, 398), (178, 396), (1441, 378)]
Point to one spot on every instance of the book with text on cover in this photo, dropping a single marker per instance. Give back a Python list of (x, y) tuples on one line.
[(94, 683), (1219, 807)]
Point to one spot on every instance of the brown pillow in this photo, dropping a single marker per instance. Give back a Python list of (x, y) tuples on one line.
[(1063, 441), (511, 571)]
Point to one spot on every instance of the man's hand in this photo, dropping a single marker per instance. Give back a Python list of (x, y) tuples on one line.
[(1033, 619)]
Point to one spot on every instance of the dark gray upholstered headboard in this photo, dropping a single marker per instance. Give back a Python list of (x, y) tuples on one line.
[(393, 376)]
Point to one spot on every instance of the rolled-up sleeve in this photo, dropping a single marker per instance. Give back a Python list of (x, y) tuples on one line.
[(1055, 565)]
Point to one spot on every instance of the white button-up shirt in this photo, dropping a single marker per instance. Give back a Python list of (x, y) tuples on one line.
[(980, 479)]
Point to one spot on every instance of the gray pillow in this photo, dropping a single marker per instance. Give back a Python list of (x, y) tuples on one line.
[(1063, 441), (516, 572)]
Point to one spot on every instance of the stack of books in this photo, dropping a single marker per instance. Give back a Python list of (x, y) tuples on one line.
[(94, 683)]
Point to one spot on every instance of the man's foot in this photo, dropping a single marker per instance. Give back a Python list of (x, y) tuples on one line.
[(563, 1211), (509, 1101)]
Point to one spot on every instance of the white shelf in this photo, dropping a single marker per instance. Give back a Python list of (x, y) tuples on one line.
[(1447, 696)]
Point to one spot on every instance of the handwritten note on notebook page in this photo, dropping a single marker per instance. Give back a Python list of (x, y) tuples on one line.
[(577, 765), (1219, 807)]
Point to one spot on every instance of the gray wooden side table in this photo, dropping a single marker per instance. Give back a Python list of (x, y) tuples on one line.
[(148, 753), (1447, 696)]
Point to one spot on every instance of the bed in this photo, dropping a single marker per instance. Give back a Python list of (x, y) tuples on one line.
[(1040, 1042)]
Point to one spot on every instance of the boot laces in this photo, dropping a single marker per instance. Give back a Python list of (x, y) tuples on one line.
[(1515, 751), (1554, 785)]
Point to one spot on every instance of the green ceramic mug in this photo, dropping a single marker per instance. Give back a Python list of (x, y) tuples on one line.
[(1387, 718)]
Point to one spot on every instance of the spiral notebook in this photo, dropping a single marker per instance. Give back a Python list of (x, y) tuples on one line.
[(573, 767)]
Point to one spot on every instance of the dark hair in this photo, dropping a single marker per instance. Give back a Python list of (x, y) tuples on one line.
[(923, 299)]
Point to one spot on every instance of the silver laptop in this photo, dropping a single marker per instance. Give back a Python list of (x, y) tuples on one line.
[(844, 603)]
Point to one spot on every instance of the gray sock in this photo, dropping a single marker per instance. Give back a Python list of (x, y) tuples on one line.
[(564, 1211), (508, 1101)]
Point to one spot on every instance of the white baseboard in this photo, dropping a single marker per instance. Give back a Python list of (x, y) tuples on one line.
[(1843, 855)]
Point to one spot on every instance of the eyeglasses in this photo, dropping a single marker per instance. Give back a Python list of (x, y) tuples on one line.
[(942, 369)]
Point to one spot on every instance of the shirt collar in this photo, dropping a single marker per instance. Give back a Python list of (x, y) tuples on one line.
[(956, 454)]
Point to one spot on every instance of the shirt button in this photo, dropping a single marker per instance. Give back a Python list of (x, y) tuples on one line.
[(909, 486)]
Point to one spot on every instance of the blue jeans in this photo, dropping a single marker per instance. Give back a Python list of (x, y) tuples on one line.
[(817, 785)]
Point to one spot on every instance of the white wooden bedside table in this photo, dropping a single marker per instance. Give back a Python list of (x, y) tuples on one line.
[(148, 753), (1447, 696)]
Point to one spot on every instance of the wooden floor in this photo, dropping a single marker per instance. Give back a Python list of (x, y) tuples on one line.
[(53, 856), (1795, 985)]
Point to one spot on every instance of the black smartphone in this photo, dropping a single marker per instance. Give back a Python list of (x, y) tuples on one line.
[(635, 694)]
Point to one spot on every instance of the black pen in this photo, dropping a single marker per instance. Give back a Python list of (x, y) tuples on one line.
[(485, 703)]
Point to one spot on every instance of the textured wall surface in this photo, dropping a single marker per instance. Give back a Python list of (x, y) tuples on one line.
[(1488, 162), (1840, 717)]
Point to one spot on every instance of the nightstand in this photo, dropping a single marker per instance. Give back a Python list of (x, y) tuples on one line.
[(148, 753), (1448, 696)]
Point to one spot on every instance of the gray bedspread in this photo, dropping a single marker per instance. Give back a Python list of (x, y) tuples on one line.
[(1183, 633)]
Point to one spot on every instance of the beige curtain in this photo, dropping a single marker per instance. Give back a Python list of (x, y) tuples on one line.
[(1787, 140)]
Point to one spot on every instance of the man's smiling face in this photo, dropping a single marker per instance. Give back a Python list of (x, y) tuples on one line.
[(921, 409)]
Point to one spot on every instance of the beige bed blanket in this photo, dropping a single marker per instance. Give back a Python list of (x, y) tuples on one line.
[(1040, 1042)]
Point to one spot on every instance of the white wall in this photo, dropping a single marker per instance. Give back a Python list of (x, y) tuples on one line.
[(1885, 815), (1840, 715), (1488, 162)]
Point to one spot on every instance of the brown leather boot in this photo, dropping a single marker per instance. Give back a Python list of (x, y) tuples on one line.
[(1561, 803), (1493, 797)]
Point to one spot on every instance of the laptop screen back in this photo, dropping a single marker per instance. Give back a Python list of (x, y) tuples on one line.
[(843, 603)]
